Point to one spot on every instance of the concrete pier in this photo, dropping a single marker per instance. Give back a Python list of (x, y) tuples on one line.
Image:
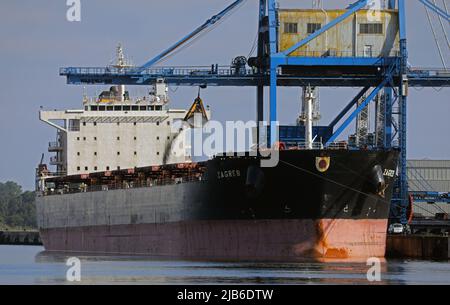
[(418, 247), (30, 238)]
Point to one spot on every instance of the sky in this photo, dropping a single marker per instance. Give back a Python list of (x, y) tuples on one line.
[(36, 40)]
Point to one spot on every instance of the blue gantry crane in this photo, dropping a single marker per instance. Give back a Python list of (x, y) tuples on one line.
[(273, 68)]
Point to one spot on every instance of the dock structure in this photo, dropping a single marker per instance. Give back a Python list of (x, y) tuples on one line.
[(26, 238), (418, 247)]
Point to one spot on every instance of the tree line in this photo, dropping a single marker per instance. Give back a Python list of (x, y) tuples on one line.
[(17, 208)]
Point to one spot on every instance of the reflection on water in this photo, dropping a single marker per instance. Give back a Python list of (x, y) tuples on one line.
[(30, 265)]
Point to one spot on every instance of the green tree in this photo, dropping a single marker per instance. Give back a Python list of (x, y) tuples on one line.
[(17, 208)]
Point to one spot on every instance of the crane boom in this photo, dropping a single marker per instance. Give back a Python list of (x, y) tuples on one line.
[(213, 20)]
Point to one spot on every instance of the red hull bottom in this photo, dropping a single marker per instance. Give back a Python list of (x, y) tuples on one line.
[(285, 240)]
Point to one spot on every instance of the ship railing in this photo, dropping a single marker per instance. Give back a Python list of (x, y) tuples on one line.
[(314, 145), (158, 71), (374, 53), (341, 145), (84, 188)]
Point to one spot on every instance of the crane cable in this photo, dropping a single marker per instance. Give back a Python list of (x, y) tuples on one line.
[(442, 24), (435, 37), (201, 34)]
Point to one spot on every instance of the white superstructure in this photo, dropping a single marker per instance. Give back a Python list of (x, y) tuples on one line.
[(115, 132)]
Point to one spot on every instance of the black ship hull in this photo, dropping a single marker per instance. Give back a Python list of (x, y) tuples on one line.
[(313, 204)]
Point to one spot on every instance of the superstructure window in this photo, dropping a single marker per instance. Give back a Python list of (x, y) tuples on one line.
[(135, 108), (86, 168), (78, 168), (94, 108), (371, 28), (290, 28), (117, 108), (313, 27), (74, 125), (101, 108), (95, 168), (110, 108), (126, 108), (95, 123), (143, 108), (107, 168)]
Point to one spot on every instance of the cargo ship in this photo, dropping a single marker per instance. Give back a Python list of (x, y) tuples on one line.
[(124, 185)]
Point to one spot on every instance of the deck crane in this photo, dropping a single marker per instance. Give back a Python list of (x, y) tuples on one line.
[(270, 68)]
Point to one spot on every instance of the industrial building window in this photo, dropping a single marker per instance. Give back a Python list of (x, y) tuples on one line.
[(371, 28), (290, 28), (312, 27)]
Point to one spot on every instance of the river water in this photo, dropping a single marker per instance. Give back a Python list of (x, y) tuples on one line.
[(30, 265)]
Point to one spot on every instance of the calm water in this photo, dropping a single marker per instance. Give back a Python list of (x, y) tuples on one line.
[(29, 265)]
